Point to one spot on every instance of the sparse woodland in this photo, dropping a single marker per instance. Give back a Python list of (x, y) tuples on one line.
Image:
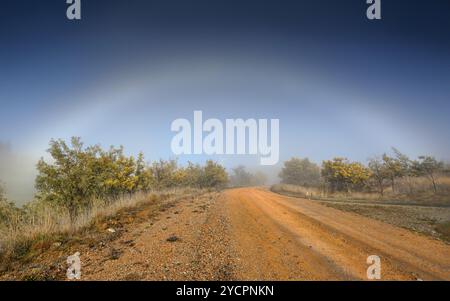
[(80, 183), (385, 176), (393, 188)]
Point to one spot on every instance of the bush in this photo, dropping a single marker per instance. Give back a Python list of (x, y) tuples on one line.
[(77, 175), (343, 175)]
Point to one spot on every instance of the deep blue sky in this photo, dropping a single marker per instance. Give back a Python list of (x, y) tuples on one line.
[(340, 84)]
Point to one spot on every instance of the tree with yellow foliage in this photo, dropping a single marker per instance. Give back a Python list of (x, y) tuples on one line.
[(342, 175), (145, 180)]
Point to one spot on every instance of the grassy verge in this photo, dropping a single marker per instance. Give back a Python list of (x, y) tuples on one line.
[(38, 250), (423, 198), (444, 230)]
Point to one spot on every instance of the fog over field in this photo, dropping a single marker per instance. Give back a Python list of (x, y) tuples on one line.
[(340, 85), (17, 174)]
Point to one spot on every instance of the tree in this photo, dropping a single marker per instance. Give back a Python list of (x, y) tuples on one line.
[(358, 175), (393, 169), (66, 182), (428, 167), (4, 206), (259, 178), (126, 174), (406, 167), (342, 175), (300, 172), (163, 172), (7, 209), (194, 173), (240, 177), (115, 173), (2, 193), (144, 175), (214, 175), (379, 173), (78, 174), (332, 171)]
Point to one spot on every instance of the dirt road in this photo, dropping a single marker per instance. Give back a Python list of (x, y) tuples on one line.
[(278, 237), (251, 233)]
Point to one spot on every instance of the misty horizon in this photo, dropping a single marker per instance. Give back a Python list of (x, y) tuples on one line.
[(18, 171), (341, 85)]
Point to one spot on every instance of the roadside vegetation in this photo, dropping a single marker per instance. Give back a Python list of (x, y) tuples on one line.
[(384, 177), (81, 185), (369, 189)]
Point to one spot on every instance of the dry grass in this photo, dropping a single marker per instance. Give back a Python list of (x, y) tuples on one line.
[(38, 231), (420, 184), (444, 230), (417, 191)]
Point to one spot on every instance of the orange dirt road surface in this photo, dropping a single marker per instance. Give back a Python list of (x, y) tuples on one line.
[(282, 238)]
